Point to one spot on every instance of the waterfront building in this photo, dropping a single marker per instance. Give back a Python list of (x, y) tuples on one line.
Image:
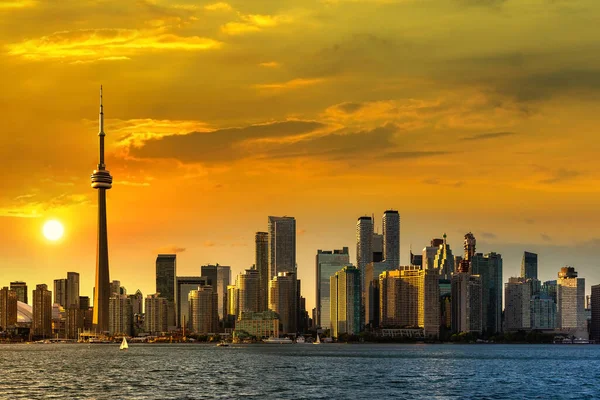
[(466, 303), (261, 325), (377, 248), (550, 288), (120, 317), (21, 289), (155, 319), (8, 308), (74, 322), (570, 303), (391, 238), (183, 286), (204, 314), (137, 302), (60, 292), (372, 312), (41, 324), (595, 306), (116, 289), (529, 265), (345, 311), (232, 302), (517, 312), (543, 312), (219, 277), (364, 247), (166, 271), (429, 302), (282, 245), (248, 285), (261, 261), (283, 299), (489, 268), (328, 262), (102, 181), (443, 260)]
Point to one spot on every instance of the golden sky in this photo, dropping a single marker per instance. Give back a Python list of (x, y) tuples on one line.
[(465, 115)]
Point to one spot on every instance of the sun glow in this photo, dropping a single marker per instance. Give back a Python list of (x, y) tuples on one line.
[(53, 230)]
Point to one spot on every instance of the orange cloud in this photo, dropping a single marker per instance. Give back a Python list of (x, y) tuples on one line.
[(292, 84), (7, 5), (254, 23)]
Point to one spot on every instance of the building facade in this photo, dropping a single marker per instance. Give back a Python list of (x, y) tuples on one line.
[(328, 262), (261, 261), (8, 308), (489, 268), (443, 261), (372, 296), (345, 310), (155, 319), (529, 265), (282, 245), (120, 316), (183, 286), (364, 246), (595, 306), (166, 271), (248, 285), (543, 312), (517, 312), (261, 325), (570, 305), (41, 324), (204, 314), (391, 238), (21, 289), (283, 299), (219, 277)]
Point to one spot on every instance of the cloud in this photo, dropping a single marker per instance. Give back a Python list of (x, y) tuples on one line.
[(455, 184), (170, 250), (220, 6), (135, 184), (561, 175), (545, 237), (485, 136), (270, 64), (33, 206), (209, 243), (15, 4), (251, 23), (489, 235), (106, 44), (293, 84)]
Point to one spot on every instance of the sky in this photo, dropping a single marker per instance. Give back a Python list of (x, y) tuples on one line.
[(464, 115)]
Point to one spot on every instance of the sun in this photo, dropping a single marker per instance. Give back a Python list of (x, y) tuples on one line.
[(53, 230)]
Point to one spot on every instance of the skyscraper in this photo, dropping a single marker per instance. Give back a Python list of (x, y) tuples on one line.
[(41, 324), (377, 248), (248, 285), (443, 260), (203, 310), (466, 288), (60, 292), (372, 292), (184, 285), (282, 245), (364, 247), (529, 265), (570, 305), (283, 299), (8, 308), (120, 315), (328, 262), (517, 312), (595, 300), (155, 321), (489, 268), (542, 312), (391, 238), (219, 277), (166, 271), (102, 181), (345, 302), (21, 289), (72, 290), (261, 240)]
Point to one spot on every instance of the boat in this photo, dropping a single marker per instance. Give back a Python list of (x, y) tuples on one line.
[(124, 345), (318, 341), (300, 340), (273, 340), (222, 344)]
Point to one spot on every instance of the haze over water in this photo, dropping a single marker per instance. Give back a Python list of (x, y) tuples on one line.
[(300, 371)]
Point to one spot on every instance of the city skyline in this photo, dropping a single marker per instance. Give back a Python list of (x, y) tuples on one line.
[(457, 131)]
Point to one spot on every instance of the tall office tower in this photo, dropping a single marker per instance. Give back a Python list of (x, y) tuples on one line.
[(466, 296), (595, 306), (377, 244), (570, 303), (517, 312), (137, 302), (183, 286), (550, 288), (364, 247), (372, 272), (248, 284), (102, 181), (328, 262), (74, 322), (261, 259), (529, 265), (232, 302), (282, 245), (8, 308), (60, 292), (399, 298), (469, 246), (489, 268), (219, 277), (203, 310), (391, 238), (116, 288), (416, 259), (429, 302), (282, 300), (41, 324), (542, 312), (72, 290), (429, 253), (443, 261), (155, 321), (21, 289), (345, 302), (120, 317), (166, 271)]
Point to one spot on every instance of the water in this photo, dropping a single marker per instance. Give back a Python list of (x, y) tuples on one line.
[(336, 371)]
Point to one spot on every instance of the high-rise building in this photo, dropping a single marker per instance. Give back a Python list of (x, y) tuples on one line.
[(120, 315), (391, 238), (429, 302), (60, 292), (529, 265), (21, 289), (41, 324), (543, 312), (372, 272), (489, 268), (219, 277), (595, 306), (429, 253), (443, 261), (364, 247), (102, 181), (166, 271), (283, 299), (72, 290), (74, 322), (466, 296), (570, 303), (377, 244), (399, 298), (137, 303), (203, 310), (155, 321), (8, 308), (263, 324), (183, 286), (232, 302), (517, 313), (345, 302), (248, 285), (117, 289), (416, 259), (261, 253), (282, 245), (328, 262)]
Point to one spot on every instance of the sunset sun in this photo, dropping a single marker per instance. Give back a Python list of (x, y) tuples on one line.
[(53, 230)]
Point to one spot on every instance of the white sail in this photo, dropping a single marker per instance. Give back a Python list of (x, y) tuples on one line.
[(124, 345), (318, 341)]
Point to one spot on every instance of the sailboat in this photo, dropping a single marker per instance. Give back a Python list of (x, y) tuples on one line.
[(318, 341), (124, 345)]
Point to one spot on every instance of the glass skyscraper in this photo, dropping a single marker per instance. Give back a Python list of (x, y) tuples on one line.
[(282, 245), (529, 265), (489, 268), (328, 262)]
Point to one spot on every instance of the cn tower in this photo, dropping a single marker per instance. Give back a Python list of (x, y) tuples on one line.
[(102, 181)]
